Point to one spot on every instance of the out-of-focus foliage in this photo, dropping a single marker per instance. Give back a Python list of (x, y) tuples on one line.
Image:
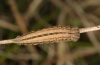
[(38, 14)]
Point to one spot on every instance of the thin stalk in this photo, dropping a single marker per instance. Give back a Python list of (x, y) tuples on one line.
[(7, 41), (89, 29)]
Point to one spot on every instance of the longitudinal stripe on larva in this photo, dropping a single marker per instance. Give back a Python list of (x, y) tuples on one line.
[(46, 31), (48, 38)]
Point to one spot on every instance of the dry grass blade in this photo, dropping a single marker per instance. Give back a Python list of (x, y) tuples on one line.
[(9, 26)]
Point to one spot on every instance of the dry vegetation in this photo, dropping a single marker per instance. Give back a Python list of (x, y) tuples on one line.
[(19, 17)]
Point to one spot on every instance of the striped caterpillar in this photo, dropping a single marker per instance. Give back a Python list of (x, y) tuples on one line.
[(49, 35)]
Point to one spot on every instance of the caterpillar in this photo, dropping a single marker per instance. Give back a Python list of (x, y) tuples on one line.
[(48, 35)]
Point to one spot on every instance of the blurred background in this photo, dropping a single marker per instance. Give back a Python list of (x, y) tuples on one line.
[(18, 17)]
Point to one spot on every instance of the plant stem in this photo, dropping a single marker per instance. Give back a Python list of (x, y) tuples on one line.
[(6, 41), (89, 29)]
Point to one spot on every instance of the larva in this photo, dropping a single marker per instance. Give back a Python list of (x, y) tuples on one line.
[(50, 35)]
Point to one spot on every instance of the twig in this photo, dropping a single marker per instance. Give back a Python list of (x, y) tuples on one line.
[(89, 29), (54, 34), (62, 48), (6, 41), (17, 16), (34, 5), (9, 26), (82, 52)]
